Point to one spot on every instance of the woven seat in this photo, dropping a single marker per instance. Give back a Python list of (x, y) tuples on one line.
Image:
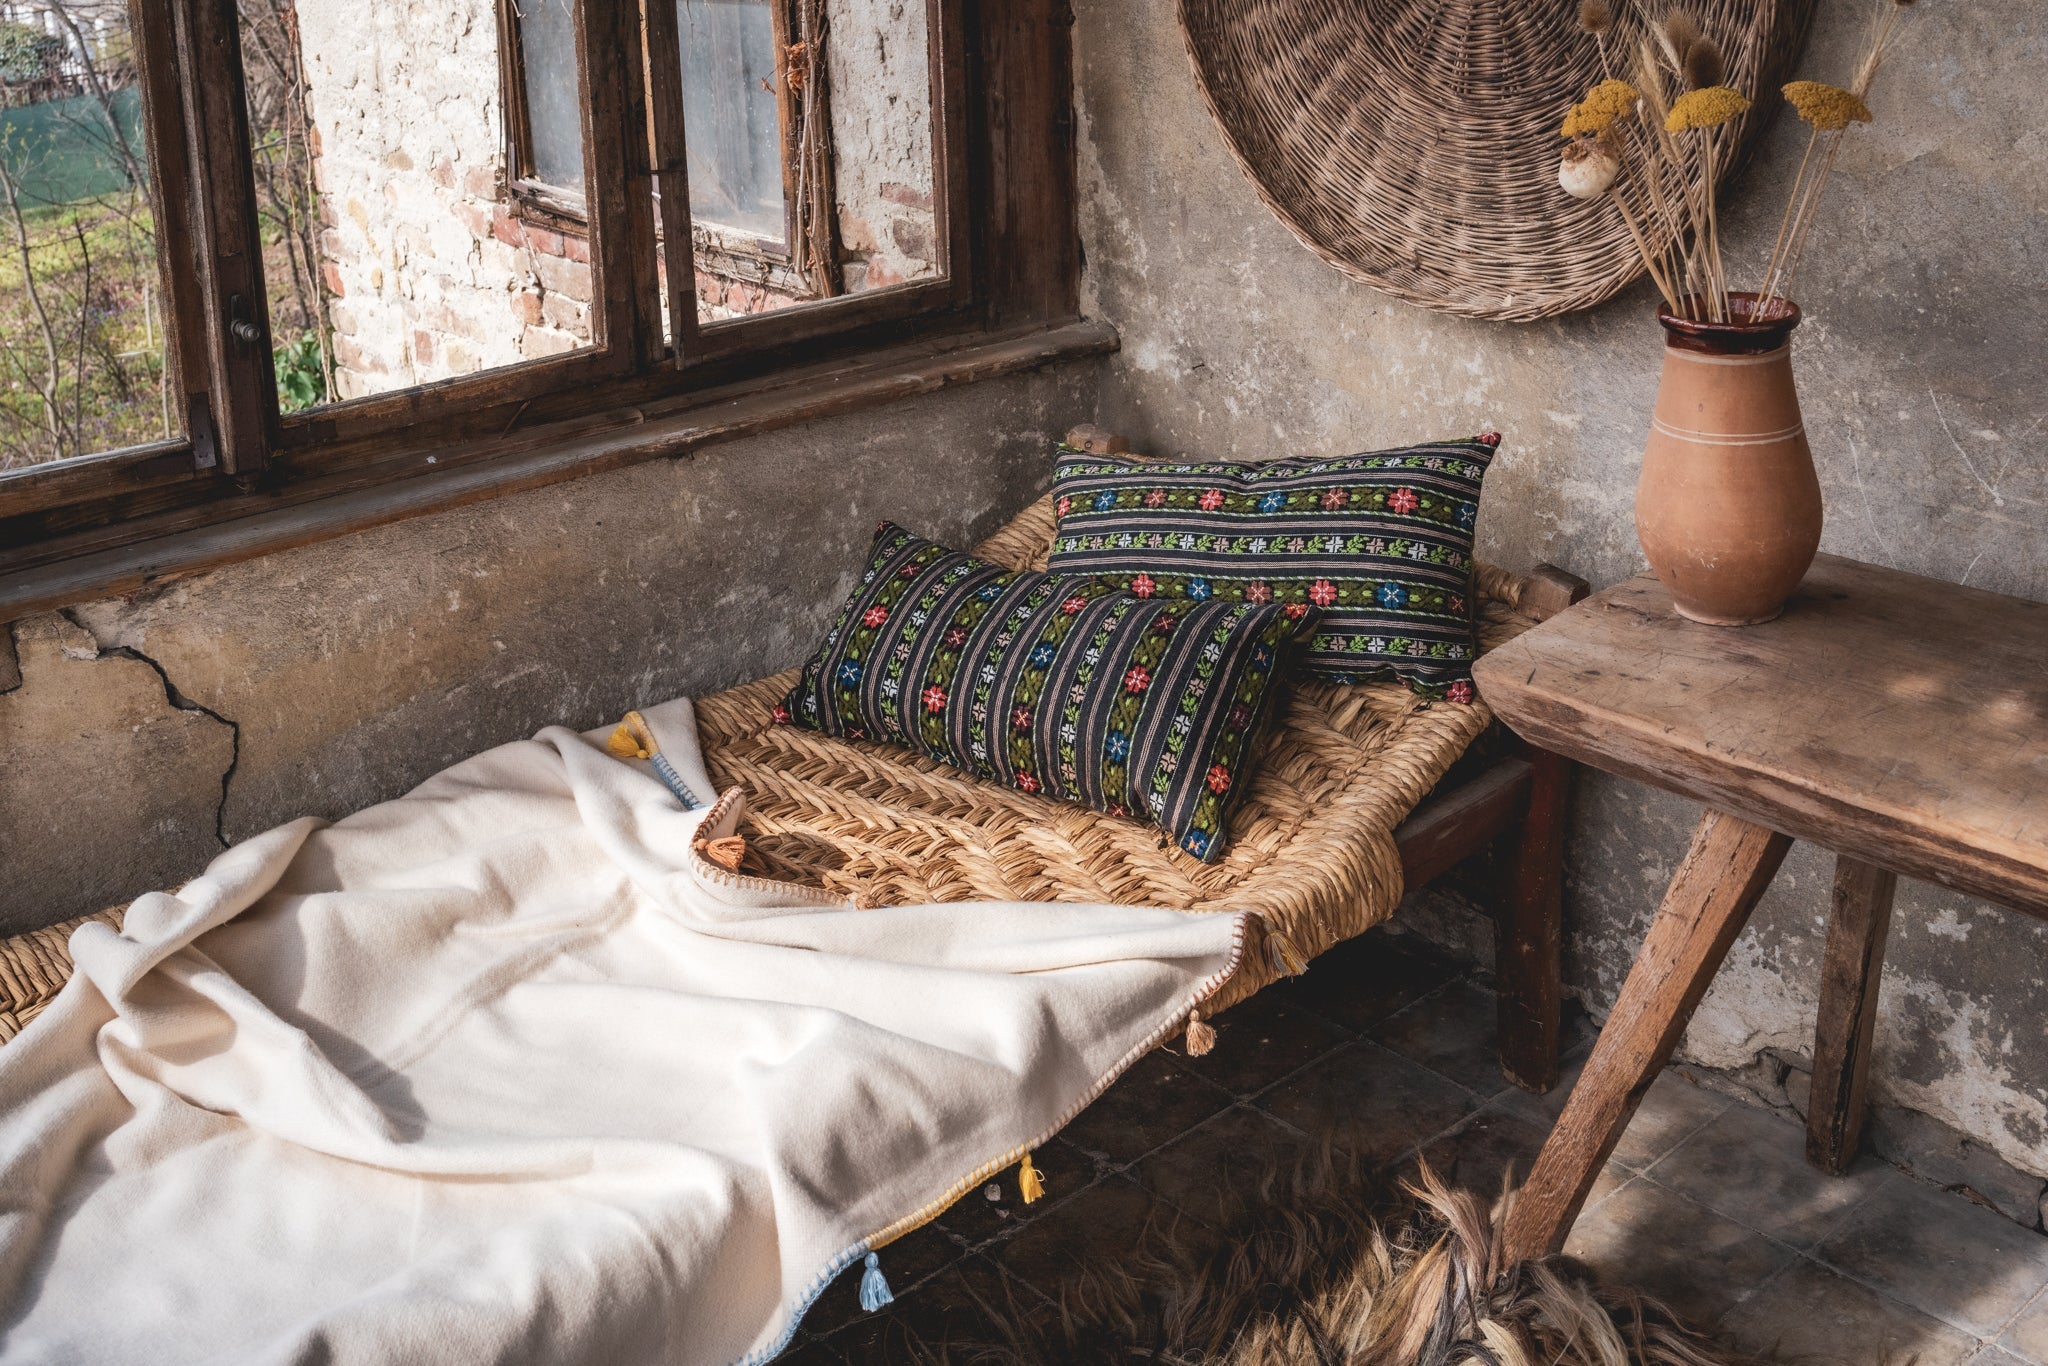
[(1311, 849)]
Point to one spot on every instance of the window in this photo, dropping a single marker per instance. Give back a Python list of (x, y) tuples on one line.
[(258, 255)]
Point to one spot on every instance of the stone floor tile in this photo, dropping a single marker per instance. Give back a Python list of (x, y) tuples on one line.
[(1674, 1108), (1156, 1101), (1992, 1355), (1942, 1255), (1750, 1164), (1262, 1041), (953, 1306), (1811, 1314), (2027, 1335), (1479, 1153), (1666, 1246), (1453, 1033), (1109, 1222), (907, 1261), (996, 1207), (1545, 1108), (1361, 981), (1212, 1169), (1369, 1101)]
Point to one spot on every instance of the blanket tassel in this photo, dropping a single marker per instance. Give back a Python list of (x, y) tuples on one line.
[(874, 1286), (1030, 1184), (1201, 1036)]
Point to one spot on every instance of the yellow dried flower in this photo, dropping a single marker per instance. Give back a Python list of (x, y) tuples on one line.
[(1603, 104), (1827, 107), (1709, 108)]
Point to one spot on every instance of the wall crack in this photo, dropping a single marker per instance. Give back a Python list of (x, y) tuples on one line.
[(179, 701)]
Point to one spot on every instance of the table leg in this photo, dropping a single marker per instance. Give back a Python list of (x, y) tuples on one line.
[(1723, 875), (1860, 919)]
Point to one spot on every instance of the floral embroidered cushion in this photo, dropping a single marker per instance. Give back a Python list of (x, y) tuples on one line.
[(1061, 685), (1382, 542)]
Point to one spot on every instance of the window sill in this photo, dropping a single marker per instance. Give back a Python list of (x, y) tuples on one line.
[(541, 458)]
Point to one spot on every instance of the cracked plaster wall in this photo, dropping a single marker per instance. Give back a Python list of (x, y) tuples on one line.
[(323, 679), (1924, 372)]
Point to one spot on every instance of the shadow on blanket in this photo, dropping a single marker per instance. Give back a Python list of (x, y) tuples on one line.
[(1321, 1265)]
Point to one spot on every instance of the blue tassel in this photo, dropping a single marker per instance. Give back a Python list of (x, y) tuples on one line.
[(874, 1286)]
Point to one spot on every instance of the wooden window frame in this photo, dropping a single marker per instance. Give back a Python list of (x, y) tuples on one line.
[(1003, 153)]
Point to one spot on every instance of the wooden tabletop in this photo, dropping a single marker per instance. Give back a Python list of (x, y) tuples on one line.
[(1899, 719)]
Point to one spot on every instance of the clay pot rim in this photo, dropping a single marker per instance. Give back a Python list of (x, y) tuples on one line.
[(1753, 336)]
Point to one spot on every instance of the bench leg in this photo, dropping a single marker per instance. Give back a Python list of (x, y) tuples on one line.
[(1723, 875), (1861, 917), (1529, 931)]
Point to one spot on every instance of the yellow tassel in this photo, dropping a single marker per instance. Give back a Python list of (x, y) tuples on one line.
[(632, 739), (1029, 1183), (1201, 1037), (726, 853)]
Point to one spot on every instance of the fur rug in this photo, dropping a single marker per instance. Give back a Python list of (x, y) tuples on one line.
[(1320, 1267)]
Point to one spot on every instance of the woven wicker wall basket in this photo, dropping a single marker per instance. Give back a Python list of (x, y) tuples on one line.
[(1413, 144)]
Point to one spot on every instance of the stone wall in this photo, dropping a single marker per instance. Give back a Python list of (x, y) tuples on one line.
[(139, 735), (1924, 368)]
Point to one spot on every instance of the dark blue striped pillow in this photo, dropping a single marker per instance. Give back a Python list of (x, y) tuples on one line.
[(1055, 684), (1382, 542)]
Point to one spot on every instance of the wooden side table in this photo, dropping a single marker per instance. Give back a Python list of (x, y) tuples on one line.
[(1899, 721)]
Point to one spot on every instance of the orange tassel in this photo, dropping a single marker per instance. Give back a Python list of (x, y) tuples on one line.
[(1201, 1037), (726, 852), (631, 739)]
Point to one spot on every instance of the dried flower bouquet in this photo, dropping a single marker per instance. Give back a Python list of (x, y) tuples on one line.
[(1655, 146)]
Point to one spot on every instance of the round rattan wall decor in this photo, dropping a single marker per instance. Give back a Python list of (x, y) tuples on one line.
[(1413, 144)]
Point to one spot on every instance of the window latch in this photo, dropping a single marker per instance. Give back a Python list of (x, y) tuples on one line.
[(240, 326)]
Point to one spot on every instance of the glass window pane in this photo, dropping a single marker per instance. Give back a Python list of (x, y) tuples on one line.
[(554, 104), (82, 348), (730, 117), (394, 251), (850, 122)]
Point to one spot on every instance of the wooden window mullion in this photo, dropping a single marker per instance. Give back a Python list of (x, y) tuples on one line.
[(618, 181), (672, 174), (241, 384)]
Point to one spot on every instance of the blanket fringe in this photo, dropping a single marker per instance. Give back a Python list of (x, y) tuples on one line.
[(1030, 1184), (874, 1286)]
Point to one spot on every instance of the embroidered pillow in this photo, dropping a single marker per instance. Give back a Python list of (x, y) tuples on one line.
[(1060, 685), (1382, 542)]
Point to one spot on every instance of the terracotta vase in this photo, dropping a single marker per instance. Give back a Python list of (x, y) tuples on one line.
[(1728, 506)]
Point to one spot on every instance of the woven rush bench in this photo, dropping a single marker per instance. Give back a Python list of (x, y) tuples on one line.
[(1365, 791)]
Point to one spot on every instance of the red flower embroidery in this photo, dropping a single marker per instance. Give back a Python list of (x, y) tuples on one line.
[(1027, 782), (874, 616), (1402, 500), (1457, 603), (1258, 590), (780, 714), (1294, 611), (1163, 625), (1322, 593), (1063, 506), (956, 637), (1460, 691), (1143, 585), (1155, 498), (1489, 438), (907, 571), (1335, 498), (1211, 500), (1020, 718), (1073, 604), (934, 699), (1219, 778), (1137, 680)]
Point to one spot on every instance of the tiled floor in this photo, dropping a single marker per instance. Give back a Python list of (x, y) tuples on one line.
[(1387, 1051)]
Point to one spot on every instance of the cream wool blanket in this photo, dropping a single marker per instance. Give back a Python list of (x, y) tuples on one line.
[(502, 1071)]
